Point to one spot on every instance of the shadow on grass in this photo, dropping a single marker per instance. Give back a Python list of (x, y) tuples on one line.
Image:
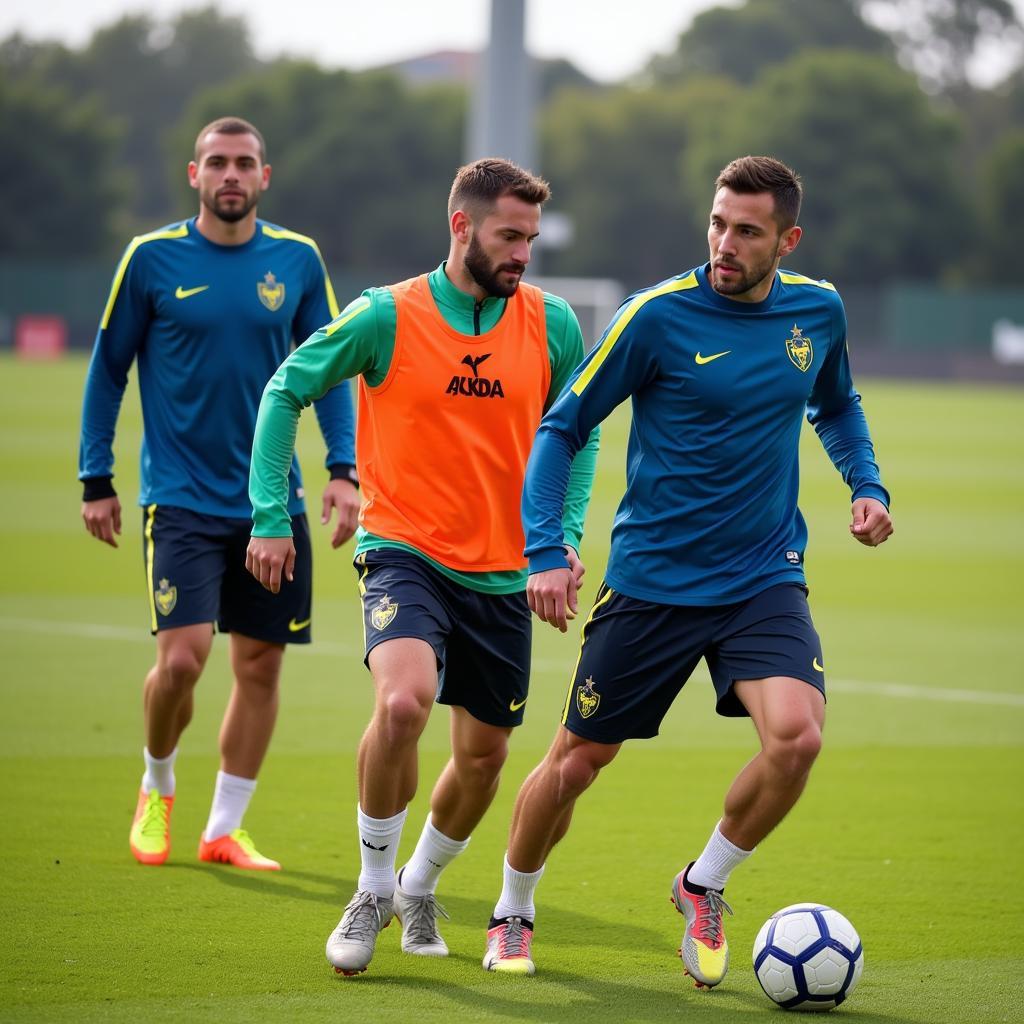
[(581, 996)]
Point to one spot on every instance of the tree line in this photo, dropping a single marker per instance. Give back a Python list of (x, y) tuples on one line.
[(912, 173)]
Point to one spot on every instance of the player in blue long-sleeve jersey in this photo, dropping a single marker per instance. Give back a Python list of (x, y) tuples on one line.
[(207, 309), (721, 364)]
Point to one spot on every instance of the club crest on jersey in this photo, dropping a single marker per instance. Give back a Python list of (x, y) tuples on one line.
[(271, 292), (799, 350), (475, 386), (384, 612), (166, 597), (587, 698)]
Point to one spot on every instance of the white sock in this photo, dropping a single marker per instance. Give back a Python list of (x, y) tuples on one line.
[(231, 798), (713, 867), (433, 853), (159, 773), (378, 850), (517, 891)]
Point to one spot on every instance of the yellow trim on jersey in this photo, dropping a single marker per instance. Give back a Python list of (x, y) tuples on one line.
[(787, 278), (583, 639), (150, 556), (179, 232), (675, 285), (352, 310), (294, 236)]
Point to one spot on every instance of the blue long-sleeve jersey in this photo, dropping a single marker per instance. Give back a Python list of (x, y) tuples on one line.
[(208, 326), (719, 389)]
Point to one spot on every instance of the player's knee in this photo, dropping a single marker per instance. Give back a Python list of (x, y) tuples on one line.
[(179, 668), (580, 766), (403, 716), (481, 768), (796, 751)]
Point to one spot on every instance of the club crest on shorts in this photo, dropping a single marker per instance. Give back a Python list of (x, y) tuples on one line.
[(799, 350), (166, 597), (271, 292), (587, 698), (384, 612)]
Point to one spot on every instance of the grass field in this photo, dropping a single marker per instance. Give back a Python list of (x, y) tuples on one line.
[(913, 824)]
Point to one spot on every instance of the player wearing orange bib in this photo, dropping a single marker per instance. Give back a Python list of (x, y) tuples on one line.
[(456, 369)]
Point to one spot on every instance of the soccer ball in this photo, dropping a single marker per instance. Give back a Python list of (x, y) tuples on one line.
[(808, 957)]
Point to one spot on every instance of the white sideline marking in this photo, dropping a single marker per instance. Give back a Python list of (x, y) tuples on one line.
[(899, 691)]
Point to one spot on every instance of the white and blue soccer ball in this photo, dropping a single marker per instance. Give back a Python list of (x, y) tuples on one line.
[(808, 957)]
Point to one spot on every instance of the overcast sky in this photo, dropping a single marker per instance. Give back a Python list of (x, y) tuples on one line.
[(607, 39)]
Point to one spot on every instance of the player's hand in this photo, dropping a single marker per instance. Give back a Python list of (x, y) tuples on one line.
[(551, 596), (343, 496), (578, 569), (270, 558), (102, 519), (871, 522)]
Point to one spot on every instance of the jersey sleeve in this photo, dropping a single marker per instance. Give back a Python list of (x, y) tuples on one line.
[(834, 410), (121, 332), (566, 351), (344, 348), (334, 411), (622, 362)]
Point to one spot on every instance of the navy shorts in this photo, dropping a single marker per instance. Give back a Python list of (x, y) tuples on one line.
[(481, 641), (195, 571), (635, 657)]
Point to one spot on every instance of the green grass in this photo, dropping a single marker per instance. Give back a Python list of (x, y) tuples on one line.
[(913, 824)]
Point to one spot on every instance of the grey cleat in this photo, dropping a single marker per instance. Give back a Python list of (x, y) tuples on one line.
[(418, 915), (350, 946)]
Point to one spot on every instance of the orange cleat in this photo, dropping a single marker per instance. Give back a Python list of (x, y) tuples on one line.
[(236, 849)]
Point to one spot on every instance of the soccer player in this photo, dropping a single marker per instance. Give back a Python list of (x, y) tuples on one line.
[(707, 549), (208, 308), (455, 370)]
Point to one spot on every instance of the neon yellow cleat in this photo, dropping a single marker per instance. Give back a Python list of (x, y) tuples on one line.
[(704, 950), (237, 849), (150, 837)]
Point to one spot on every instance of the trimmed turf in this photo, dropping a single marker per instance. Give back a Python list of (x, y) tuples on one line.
[(912, 825)]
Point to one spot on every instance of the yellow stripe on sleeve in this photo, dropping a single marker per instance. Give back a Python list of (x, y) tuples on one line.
[(787, 278), (294, 236), (351, 311), (616, 329), (179, 232)]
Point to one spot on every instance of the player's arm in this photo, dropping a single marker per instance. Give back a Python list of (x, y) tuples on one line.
[(834, 410), (566, 352), (334, 411), (342, 349), (122, 328), (622, 363)]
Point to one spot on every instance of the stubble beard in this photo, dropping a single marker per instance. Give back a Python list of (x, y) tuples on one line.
[(485, 273)]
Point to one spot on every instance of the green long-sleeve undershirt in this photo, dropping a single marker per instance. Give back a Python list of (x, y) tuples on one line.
[(361, 341)]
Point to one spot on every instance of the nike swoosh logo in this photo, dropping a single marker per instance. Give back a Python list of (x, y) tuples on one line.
[(701, 360), (184, 293), (294, 626), (513, 706), (817, 667)]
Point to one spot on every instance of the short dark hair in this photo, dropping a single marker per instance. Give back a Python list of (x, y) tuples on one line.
[(479, 185), (749, 175), (232, 126)]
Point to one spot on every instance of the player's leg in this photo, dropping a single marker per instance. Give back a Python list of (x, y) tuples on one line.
[(486, 684), (404, 626), (772, 632), (632, 663), (259, 624), (543, 812), (180, 561), (459, 800)]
